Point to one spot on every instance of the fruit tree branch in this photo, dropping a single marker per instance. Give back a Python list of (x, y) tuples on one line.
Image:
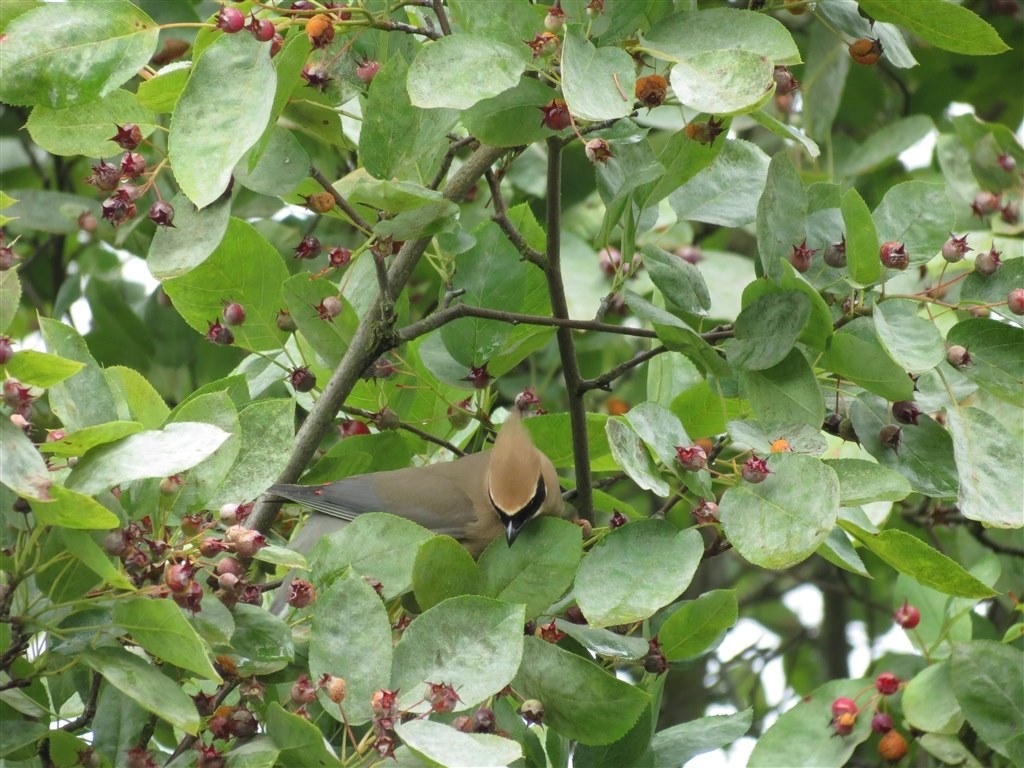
[(340, 201), (501, 218), (566, 344)]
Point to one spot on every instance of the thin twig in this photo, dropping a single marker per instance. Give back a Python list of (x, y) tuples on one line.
[(566, 344), (501, 218), (189, 741), (605, 379), (400, 26), (444, 316), (598, 126), (422, 434), (449, 156), (89, 712), (340, 201), (442, 17)]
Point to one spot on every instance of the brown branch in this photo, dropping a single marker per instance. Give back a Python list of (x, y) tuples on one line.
[(371, 339), (449, 156), (422, 434), (400, 26), (977, 530), (605, 379), (501, 218), (340, 201), (442, 17), (444, 316), (598, 126), (566, 344), (89, 712)]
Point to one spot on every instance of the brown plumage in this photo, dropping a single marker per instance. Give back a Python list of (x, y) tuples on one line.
[(473, 499)]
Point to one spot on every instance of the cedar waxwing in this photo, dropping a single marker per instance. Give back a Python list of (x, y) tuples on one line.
[(472, 499)]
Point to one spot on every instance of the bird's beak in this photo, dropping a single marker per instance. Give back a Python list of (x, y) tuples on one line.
[(512, 528)]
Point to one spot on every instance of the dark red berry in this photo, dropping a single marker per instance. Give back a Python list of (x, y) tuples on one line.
[(339, 7), (308, 248), (906, 412), (907, 616), (832, 422), (784, 81), (133, 165), (801, 256), (230, 20), (692, 458), (894, 255), (556, 115), (339, 257), (479, 377), (441, 697), (262, 29), (178, 577), (755, 470), (881, 722), (219, 334), (276, 44), (233, 313), (302, 379), (367, 71), (887, 683), (303, 5), (315, 76), (351, 428), (835, 254), (128, 136), (162, 214), (105, 176), (6, 350), (1015, 301), (300, 593), (617, 520), (118, 208)]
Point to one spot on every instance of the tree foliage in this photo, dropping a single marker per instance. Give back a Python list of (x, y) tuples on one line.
[(762, 350)]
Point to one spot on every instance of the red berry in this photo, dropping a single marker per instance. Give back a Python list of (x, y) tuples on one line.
[(128, 136), (351, 427), (706, 512), (556, 115), (308, 248), (249, 542), (441, 697), (1015, 301), (801, 256), (302, 379), (105, 176), (617, 520), (6, 350), (384, 703), (233, 313), (984, 203), (755, 470), (230, 20), (133, 165), (276, 44), (300, 593), (303, 691), (887, 683), (953, 250), (367, 70), (906, 412), (7, 257), (178, 577), (881, 722), (262, 29), (835, 254), (1007, 162), (894, 255), (162, 214), (843, 705), (479, 377), (119, 208), (316, 77), (219, 334), (691, 458), (907, 616)]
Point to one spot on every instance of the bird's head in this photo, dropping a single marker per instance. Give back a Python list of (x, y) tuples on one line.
[(516, 482)]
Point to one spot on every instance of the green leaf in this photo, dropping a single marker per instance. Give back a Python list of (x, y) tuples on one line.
[(134, 391), (71, 53), (300, 741), (605, 642), (81, 545), (986, 680), (717, 29), (265, 426), (674, 746), (635, 570), (261, 642), (781, 212), (787, 392), (884, 146), (767, 329), (824, 80), (726, 191), (375, 544), (443, 569), (632, 456), (839, 551), (913, 342), (281, 166), (45, 211), (70, 509), (23, 469), (537, 569), (997, 365), (145, 684), (78, 442), (161, 453), (512, 118), (581, 701), (506, 22), (726, 82), (84, 399), (160, 628), (482, 649), (944, 25), (39, 369), (440, 744), (396, 135), (786, 131), (85, 129), (196, 234), (276, 555), (244, 268), (925, 455), (660, 429), (857, 354), (782, 520), (993, 289), (161, 93), (697, 624), (680, 160), (864, 482), (929, 703), (990, 464), (680, 282), (862, 260), (457, 71), (917, 214), (802, 438), (633, 749), (909, 555), (213, 125), (10, 296), (597, 83), (802, 737), (351, 638)]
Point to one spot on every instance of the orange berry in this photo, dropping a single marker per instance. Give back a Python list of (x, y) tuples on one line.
[(651, 90), (866, 51), (616, 406), (892, 746), (781, 445)]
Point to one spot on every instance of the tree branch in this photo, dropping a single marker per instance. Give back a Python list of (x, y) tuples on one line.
[(501, 218), (442, 17), (89, 712), (566, 344), (340, 201), (369, 342), (449, 156), (400, 26), (444, 316), (420, 433), (605, 379)]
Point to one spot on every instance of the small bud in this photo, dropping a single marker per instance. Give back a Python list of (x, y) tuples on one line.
[(532, 711)]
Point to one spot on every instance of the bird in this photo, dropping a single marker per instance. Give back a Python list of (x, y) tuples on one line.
[(473, 499)]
